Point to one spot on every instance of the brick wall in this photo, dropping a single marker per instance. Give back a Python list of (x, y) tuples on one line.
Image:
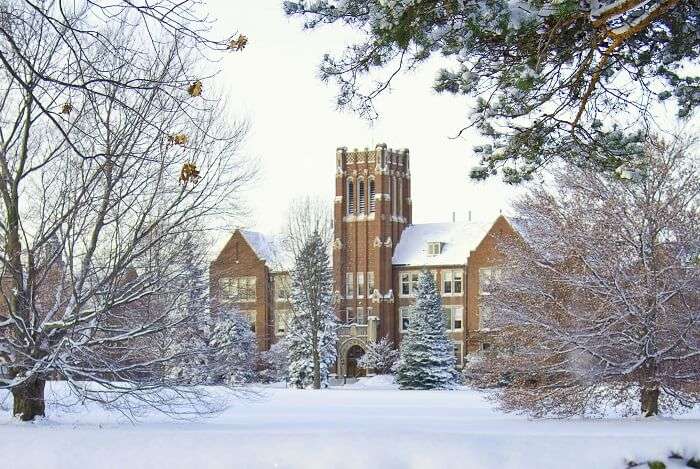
[(237, 259), (485, 255)]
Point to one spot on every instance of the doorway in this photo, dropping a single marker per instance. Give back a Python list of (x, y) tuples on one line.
[(352, 370)]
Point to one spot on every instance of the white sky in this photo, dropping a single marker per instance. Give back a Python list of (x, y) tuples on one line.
[(295, 126)]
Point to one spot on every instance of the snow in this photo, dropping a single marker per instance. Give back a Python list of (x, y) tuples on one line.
[(366, 425), (268, 249), (457, 239)]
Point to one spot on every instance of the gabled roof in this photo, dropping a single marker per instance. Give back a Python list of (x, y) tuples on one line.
[(457, 240), (268, 249), (261, 245)]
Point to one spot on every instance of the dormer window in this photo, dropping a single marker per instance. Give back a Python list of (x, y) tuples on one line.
[(434, 248)]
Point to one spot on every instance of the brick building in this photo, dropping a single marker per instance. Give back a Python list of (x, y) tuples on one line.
[(377, 255)]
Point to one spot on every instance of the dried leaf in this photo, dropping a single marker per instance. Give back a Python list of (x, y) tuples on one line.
[(66, 108), (189, 173), (239, 43), (195, 89), (177, 139)]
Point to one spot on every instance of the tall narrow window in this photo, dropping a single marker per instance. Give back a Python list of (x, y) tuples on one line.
[(361, 196), (400, 201), (393, 196), (349, 315), (361, 318), (370, 283), (360, 285), (372, 193), (351, 197), (404, 317), (348, 285), (405, 284)]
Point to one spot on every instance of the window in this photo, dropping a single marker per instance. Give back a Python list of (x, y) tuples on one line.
[(405, 284), (409, 283), (282, 288), (360, 285), (414, 283), (281, 318), (405, 317), (434, 248), (372, 193), (393, 196), (348, 285), (349, 315), (370, 283), (360, 318), (351, 197), (452, 282), (459, 356), (484, 316), (400, 201), (369, 311), (238, 288), (252, 317), (361, 196), (452, 315), (487, 276), (447, 282)]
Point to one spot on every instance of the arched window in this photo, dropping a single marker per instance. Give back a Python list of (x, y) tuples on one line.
[(370, 183), (361, 196), (351, 197)]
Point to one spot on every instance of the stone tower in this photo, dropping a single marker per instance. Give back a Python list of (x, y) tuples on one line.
[(372, 208)]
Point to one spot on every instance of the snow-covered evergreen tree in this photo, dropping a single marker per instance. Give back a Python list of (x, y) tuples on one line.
[(190, 343), (274, 363), (380, 356), (233, 349), (311, 333), (426, 355)]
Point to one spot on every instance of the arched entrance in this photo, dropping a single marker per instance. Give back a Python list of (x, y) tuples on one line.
[(351, 368)]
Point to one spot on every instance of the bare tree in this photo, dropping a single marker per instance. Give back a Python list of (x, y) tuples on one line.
[(305, 217), (600, 299), (108, 165), (311, 333)]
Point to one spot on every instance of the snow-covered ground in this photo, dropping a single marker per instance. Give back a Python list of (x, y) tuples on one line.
[(369, 424)]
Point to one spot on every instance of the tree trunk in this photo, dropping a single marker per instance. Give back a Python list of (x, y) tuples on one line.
[(317, 370), (650, 401), (29, 400)]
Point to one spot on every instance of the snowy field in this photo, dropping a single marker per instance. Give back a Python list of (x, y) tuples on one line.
[(365, 425)]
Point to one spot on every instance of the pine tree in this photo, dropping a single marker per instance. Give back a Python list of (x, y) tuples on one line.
[(190, 343), (274, 363), (426, 355), (311, 335), (547, 75), (233, 350)]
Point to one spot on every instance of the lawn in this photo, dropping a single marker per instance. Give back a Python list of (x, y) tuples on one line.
[(366, 425)]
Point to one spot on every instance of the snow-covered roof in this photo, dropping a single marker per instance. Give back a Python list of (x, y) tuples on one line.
[(456, 241), (268, 249)]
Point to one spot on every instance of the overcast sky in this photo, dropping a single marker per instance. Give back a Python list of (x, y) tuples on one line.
[(295, 126)]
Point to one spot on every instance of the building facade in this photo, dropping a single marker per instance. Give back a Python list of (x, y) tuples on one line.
[(377, 255)]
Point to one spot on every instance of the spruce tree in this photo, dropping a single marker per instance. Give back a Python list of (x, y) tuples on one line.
[(426, 356), (233, 350), (311, 335)]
